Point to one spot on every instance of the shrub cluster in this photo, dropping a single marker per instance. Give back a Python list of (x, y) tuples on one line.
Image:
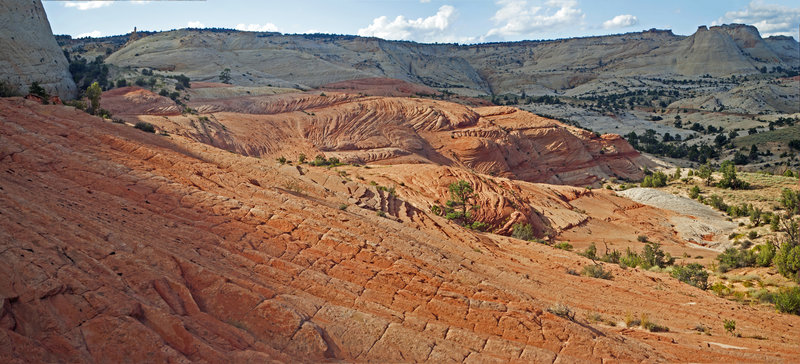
[(694, 274), (596, 271), (657, 179), (144, 126), (788, 300)]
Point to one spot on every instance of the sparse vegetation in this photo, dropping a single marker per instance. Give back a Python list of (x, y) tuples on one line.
[(596, 271), (730, 326), (146, 127), (93, 94), (562, 310), (693, 274), (37, 90), (8, 90), (225, 76), (563, 246), (522, 231)]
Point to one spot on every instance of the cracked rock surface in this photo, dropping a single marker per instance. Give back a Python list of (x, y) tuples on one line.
[(123, 246)]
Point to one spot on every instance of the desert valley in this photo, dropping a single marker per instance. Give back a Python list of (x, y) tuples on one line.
[(215, 195)]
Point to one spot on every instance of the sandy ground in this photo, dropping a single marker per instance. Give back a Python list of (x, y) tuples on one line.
[(698, 223)]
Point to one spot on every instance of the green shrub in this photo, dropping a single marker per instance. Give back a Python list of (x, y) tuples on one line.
[(718, 203), (654, 327), (653, 256), (8, 90), (611, 257), (790, 201), (787, 260), (729, 178), (630, 259), (36, 89), (693, 274), (733, 258), (522, 231), (720, 289), (590, 252), (144, 126), (562, 310), (788, 300), (281, 160), (694, 192), (564, 246), (596, 271), (764, 254), (729, 325), (479, 226), (657, 179)]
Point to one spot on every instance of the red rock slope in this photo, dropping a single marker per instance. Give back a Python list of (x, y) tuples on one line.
[(123, 246), (501, 141)]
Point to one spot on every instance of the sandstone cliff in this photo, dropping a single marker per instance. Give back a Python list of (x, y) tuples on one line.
[(29, 50)]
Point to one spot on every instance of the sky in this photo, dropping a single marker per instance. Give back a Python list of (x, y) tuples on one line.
[(430, 21)]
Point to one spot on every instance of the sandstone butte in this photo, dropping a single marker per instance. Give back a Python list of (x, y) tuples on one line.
[(125, 246)]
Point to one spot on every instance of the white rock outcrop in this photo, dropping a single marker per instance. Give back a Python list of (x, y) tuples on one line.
[(29, 50)]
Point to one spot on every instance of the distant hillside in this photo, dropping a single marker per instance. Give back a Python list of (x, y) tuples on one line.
[(534, 67)]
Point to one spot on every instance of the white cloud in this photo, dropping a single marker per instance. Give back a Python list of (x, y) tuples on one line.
[(195, 24), (769, 19), (87, 5), (621, 21), (268, 27), (424, 1), (93, 34), (431, 29), (516, 17)]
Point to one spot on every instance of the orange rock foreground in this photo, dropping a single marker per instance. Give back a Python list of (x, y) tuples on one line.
[(123, 246)]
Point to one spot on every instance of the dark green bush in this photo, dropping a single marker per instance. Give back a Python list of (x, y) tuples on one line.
[(693, 274), (143, 126), (733, 258), (694, 192), (788, 300), (8, 90), (787, 260), (36, 89)]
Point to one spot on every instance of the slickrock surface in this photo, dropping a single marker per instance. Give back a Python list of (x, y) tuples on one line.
[(132, 100), (30, 52), (536, 67), (501, 141), (123, 246)]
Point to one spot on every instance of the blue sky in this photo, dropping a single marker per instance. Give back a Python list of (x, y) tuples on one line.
[(462, 21)]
